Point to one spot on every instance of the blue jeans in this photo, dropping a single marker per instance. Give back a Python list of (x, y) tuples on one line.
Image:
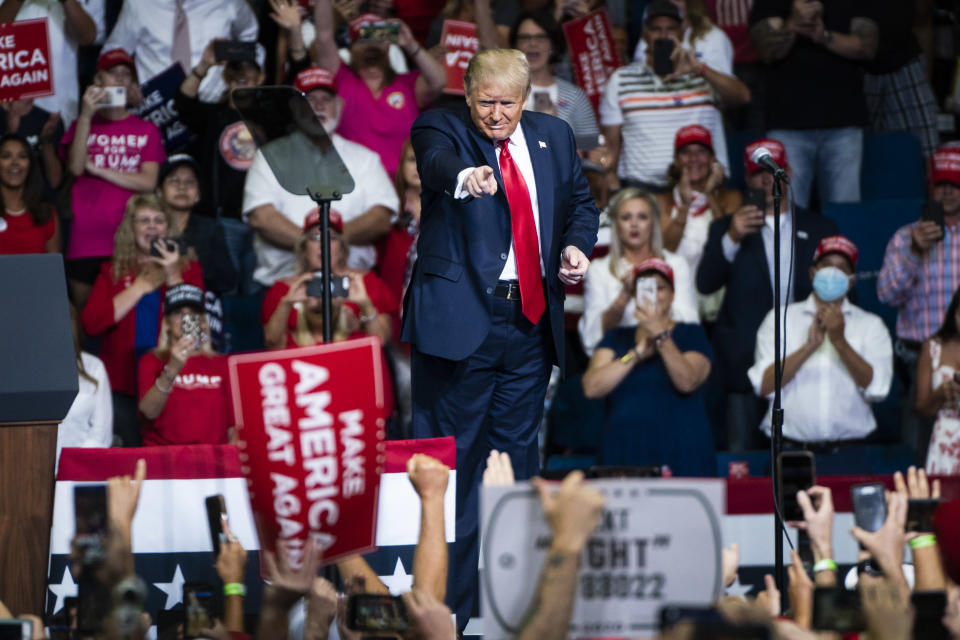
[(834, 156)]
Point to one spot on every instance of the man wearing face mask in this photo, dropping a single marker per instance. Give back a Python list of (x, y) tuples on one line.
[(277, 215), (839, 358)]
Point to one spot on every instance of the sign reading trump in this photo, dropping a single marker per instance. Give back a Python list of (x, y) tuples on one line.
[(311, 443), (25, 70)]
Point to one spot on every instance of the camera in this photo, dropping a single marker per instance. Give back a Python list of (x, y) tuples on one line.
[(339, 286), (115, 97)]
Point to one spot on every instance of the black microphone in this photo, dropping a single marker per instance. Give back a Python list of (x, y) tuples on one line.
[(762, 157)]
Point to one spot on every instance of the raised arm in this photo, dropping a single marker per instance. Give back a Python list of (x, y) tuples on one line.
[(429, 478), (79, 25), (324, 45)]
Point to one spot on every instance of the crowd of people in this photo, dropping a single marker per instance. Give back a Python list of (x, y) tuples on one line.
[(676, 332)]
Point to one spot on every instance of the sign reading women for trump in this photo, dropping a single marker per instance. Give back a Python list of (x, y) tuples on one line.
[(25, 68), (311, 443), (592, 52), (658, 542)]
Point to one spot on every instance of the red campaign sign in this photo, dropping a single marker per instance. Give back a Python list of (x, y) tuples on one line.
[(592, 52), (311, 443), (25, 67), (460, 39)]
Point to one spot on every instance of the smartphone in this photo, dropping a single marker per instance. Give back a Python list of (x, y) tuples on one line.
[(756, 197), (114, 97), (339, 286), (199, 608), (869, 505), (647, 291), (379, 31), (662, 50), (375, 612), (797, 473), (542, 102), (90, 522), (234, 50), (16, 629), (933, 212), (216, 517), (928, 619), (920, 514), (172, 244), (837, 610)]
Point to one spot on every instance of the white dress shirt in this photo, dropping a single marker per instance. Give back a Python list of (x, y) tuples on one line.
[(145, 29), (601, 288), (822, 402), (373, 187), (731, 248), (521, 156), (89, 423)]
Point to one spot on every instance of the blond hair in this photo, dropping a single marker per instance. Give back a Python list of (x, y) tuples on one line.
[(500, 67), (616, 244), (124, 240)]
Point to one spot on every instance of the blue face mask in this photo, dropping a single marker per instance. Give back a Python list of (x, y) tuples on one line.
[(830, 283)]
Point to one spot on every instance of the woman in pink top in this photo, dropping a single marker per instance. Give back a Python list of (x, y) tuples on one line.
[(379, 104), (114, 155)]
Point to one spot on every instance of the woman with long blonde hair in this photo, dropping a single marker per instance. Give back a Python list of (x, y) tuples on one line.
[(635, 236), (183, 382), (125, 304)]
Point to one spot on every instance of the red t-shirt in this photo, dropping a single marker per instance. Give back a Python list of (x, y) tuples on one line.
[(382, 298), (118, 350), (18, 234), (197, 409)]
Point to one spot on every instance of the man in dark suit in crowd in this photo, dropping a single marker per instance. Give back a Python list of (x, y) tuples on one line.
[(739, 256), (507, 221)]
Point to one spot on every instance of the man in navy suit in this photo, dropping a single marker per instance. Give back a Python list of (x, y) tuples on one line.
[(507, 219), (739, 256)]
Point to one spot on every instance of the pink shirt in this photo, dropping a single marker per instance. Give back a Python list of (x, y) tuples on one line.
[(98, 205), (383, 123)]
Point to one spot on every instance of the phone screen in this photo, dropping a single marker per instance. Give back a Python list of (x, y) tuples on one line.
[(199, 608), (374, 612), (542, 102), (662, 50), (837, 610), (647, 291), (339, 286), (16, 629), (796, 474), (869, 505), (933, 212), (216, 516), (756, 197)]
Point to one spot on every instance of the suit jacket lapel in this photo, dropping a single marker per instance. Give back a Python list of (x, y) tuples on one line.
[(540, 159)]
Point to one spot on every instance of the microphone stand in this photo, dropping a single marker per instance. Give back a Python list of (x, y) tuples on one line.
[(776, 430), (322, 196)]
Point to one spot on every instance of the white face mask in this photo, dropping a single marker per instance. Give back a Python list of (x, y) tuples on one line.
[(830, 283)]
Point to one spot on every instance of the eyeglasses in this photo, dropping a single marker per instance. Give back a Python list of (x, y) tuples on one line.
[(529, 37)]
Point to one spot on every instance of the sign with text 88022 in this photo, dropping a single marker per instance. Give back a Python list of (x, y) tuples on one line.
[(311, 430), (658, 543)]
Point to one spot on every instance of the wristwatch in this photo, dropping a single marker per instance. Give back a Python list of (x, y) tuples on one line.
[(661, 337)]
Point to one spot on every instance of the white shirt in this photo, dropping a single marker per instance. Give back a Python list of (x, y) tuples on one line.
[(145, 29), (822, 402), (63, 58), (714, 48), (731, 248), (373, 187), (601, 288), (521, 156), (89, 423)]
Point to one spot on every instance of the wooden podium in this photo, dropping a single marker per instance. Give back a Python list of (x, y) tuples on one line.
[(38, 383)]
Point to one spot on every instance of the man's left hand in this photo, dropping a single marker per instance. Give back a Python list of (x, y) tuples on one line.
[(573, 265)]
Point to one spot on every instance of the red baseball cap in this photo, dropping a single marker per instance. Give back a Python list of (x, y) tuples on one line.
[(357, 23), (837, 244), (655, 265), (113, 57), (777, 153), (693, 133), (315, 78), (945, 165), (313, 219)]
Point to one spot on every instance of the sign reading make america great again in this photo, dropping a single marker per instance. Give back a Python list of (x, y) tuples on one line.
[(311, 443), (25, 67)]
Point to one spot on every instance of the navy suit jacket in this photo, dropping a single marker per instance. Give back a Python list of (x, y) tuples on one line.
[(749, 295), (463, 244)]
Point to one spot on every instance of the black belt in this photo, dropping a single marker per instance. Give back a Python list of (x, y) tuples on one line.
[(823, 446), (509, 289)]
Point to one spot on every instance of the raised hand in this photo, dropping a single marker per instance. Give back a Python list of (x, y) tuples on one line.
[(572, 511)]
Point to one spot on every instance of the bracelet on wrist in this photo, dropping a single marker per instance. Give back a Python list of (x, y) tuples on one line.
[(369, 318), (920, 542), (161, 388), (198, 76), (661, 337), (826, 564), (414, 54), (234, 589), (629, 356)]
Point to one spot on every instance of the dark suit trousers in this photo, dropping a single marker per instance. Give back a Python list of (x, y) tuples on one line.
[(491, 400)]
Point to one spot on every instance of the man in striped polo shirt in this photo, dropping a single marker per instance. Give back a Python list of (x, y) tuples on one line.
[(641, 110)]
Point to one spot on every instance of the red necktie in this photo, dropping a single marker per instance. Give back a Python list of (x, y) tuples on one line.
[(526, 246)]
